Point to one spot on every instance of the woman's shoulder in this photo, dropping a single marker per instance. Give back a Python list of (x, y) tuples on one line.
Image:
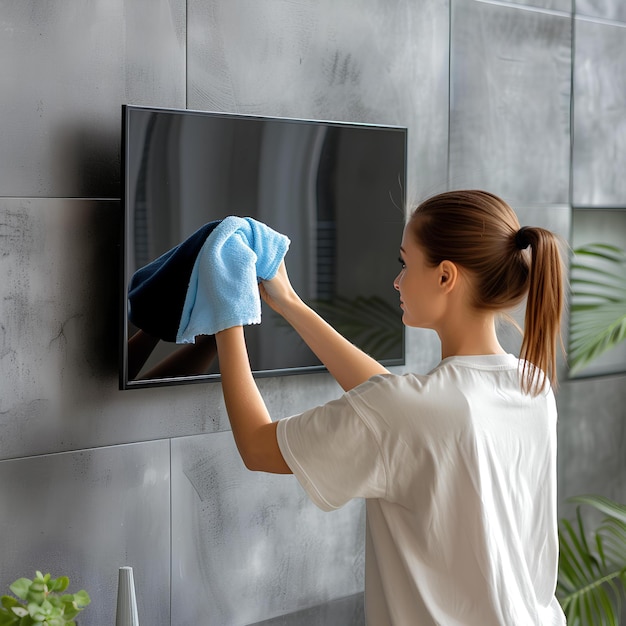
[(390, 381), (387, 390)]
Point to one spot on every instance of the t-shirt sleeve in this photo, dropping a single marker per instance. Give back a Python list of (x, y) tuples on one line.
[(334, 454)]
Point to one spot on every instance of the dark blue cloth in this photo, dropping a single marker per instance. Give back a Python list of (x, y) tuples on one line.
[(157, 292)]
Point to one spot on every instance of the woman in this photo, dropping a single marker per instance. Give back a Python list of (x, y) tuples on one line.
[(458, 466)]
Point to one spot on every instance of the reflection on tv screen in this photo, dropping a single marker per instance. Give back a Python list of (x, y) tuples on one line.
[(337, 190)]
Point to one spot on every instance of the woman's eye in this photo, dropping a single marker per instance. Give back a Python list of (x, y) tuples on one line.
[(402, 263)]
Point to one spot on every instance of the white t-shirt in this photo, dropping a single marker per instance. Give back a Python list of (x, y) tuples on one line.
[(459, 471)]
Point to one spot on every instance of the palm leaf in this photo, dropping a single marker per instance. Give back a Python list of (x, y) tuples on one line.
[(598, 302), (592, 566)]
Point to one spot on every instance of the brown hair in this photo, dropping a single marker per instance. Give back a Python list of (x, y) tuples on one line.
[(481, 233)]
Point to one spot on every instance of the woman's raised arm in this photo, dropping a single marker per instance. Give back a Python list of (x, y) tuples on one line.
[(253, 429)]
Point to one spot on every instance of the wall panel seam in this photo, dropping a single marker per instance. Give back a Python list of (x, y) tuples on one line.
[(525, 7), (597, 20)]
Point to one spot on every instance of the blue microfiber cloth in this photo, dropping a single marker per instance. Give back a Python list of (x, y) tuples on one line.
[(157, 291), (223, 288)]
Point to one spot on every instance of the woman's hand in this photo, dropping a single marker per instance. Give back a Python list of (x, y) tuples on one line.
[(278, 292)]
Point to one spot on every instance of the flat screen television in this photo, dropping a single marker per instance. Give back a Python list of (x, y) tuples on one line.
[(336, 189)]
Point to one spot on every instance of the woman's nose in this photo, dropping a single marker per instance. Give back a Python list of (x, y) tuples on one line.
[(396, 282)]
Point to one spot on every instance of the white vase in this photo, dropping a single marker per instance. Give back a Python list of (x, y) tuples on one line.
[(126, 600)]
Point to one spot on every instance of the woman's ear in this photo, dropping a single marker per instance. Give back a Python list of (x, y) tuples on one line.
[(448, 275)]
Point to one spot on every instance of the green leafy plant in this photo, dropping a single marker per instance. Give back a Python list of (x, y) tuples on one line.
[(43, 602), (598, 302), (592, 565)]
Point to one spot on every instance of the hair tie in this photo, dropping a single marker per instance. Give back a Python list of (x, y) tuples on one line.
[(521, 243)]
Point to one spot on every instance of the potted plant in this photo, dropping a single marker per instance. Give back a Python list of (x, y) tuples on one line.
[(592, 565), (41, 602)]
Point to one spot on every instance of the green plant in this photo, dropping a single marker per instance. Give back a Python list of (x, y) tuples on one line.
[(43, 603), (598, 302), (592, 565)]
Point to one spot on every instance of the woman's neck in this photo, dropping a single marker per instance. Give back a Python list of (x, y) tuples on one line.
[(472, 333)]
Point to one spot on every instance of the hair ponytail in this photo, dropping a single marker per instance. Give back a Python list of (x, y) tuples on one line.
[(480, 232), (544, 307)]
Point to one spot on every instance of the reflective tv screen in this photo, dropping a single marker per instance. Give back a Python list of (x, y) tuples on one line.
[(336, 189)]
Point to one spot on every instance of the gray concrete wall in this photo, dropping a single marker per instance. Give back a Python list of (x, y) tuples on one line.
[(92, 478)]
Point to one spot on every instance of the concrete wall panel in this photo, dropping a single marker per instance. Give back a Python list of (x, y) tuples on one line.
[(85, 514), (251, 546), (510, 102), (65, 69), (592, 439), (372, 62), (599, 158)]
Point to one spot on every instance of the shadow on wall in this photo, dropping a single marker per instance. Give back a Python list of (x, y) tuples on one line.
[(99, 309), (85, 154)]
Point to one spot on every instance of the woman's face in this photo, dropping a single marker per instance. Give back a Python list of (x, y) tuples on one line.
[(419, 285)]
